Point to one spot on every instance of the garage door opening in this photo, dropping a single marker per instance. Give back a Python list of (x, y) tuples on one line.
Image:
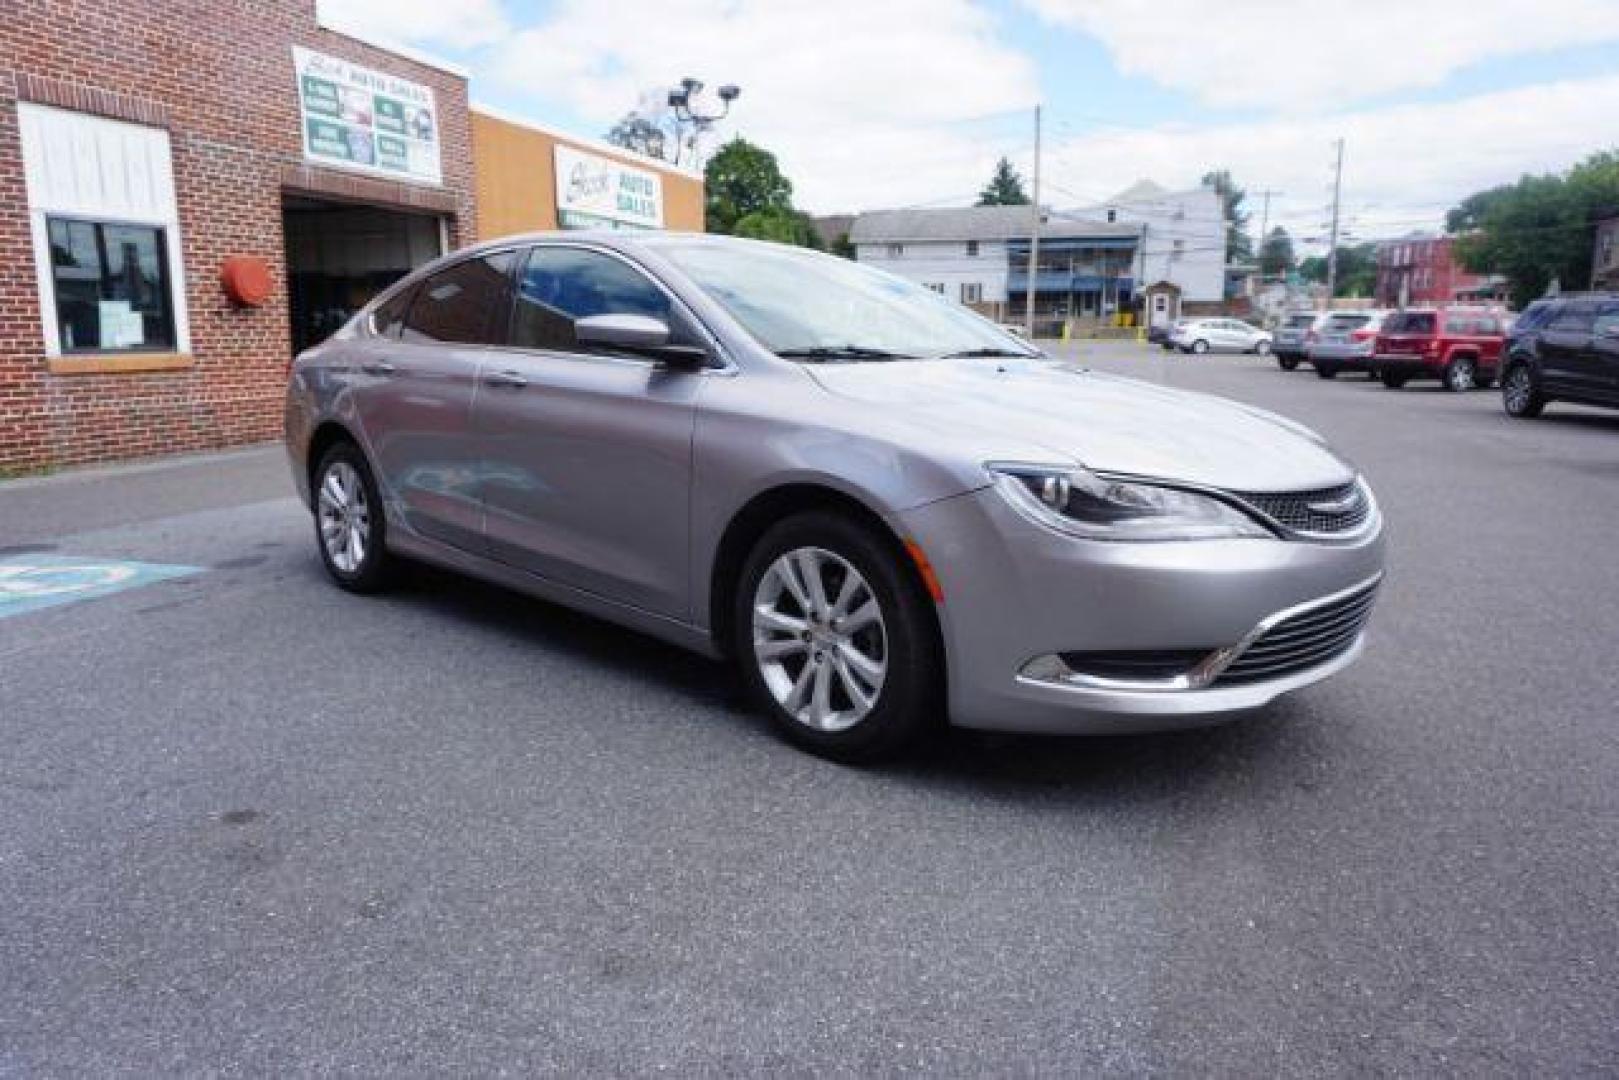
[(340, 255)]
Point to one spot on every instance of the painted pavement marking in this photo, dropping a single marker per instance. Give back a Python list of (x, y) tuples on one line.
[(34, 581)]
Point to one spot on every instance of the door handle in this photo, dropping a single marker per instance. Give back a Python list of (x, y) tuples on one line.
[(377, 367), (505, 378)]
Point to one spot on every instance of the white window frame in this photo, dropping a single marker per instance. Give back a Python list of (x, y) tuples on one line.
[(972, 292), (162, 212)]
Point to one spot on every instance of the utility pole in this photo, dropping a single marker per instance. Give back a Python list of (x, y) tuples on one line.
[(1034, 239), (1264, 229), (1332, 241)]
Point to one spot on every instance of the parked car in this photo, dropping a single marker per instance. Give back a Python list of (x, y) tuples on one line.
[(1293, 337), (1160, 334), (1564, 349), (1459, 346), (1345, 341), (1220, 335), (883, 508)]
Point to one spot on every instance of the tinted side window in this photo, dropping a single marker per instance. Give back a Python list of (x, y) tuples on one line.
[(1410, 323), (1573, 319), (560, 284), (460, 304), (389, 318)]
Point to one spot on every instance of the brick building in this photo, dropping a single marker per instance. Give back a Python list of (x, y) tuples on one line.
[(1419, 269), (189, 189)]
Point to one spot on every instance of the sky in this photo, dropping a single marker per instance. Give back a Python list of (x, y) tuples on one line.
[(870, 104)]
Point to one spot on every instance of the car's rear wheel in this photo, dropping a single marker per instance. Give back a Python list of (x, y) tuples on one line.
[(1391, 379), (1520, 395), (1287, 363), (1326, 371), (1200, 346), (835, 638), (350, 528), (1461, 374)]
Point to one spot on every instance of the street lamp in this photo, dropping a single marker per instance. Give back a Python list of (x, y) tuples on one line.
[(691, 122)]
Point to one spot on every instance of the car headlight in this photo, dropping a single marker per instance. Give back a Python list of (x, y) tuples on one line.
[(1081, 503)]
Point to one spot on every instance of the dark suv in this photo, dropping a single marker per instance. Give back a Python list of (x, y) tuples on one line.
[(1459, 346), (1563, 349)]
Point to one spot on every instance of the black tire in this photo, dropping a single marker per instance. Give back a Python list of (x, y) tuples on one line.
[(1521, 395), (1460, 375), (376, 568), (1287, 363), (1326, 371), (1391, 379), (1262, 349), (1200, 346), (909, 701)]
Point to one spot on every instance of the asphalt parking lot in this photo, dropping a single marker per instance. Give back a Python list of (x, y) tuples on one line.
[(250, 823)]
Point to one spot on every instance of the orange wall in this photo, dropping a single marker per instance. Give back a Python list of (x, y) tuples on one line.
[(514, 177)]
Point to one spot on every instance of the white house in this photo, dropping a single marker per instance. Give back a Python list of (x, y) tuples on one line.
[(1183, 237)]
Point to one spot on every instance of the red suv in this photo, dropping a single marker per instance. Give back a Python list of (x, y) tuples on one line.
[(1459, 346)]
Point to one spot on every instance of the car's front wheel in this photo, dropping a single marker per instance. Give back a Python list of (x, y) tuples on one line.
[(1520, 396), (1262, 349), (1326, 371), (1391, 379), (350, 529), (1287, 363), (1200, 346), (834, 634)]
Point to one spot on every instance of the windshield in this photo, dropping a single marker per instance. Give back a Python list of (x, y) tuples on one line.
[(820, 307), (1299, 322)]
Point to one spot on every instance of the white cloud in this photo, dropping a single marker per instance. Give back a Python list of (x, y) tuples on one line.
[(458, 25), (854, 96), (1403, 165), (1304, 53)]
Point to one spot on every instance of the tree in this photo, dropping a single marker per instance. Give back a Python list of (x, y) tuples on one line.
[(1539, 229), (1238, 246), (1005, 188), (1276, 255), (1357, 269), (743, 179), (635, 132)]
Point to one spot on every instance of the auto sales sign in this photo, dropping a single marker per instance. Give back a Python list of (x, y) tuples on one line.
[(356, 118), (597, 192)]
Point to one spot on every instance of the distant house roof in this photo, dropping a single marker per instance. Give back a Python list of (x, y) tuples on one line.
[(973, 223), (831, 227), (1141, 191)]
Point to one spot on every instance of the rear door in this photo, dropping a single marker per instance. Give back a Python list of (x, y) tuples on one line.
[(413, 399)]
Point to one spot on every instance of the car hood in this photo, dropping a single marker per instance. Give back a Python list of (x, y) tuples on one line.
[(1106, 423)]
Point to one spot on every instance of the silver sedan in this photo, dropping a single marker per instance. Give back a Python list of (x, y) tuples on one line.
[(888, 511)]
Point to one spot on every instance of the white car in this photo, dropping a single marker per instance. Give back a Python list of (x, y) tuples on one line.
[(1220, 335)]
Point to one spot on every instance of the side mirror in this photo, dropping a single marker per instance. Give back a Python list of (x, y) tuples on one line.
[(639, 334)]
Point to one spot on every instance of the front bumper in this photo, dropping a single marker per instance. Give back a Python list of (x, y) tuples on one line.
[(1014, 592)]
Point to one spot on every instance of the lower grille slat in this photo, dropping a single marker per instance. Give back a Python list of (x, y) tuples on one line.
[(1303, 640)]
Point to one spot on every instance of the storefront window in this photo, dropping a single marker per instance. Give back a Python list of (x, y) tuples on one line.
[(112, 286)]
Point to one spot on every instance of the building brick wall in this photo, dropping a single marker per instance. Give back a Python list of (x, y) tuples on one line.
[(218, 75)]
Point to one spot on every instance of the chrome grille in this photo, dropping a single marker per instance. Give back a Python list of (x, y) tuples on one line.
[(1324, 512), (1303, 640)]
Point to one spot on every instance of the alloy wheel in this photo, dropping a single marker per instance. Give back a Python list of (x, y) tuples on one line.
[(819, 639), (345, 517), (1460, 375), (1519, 390)]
